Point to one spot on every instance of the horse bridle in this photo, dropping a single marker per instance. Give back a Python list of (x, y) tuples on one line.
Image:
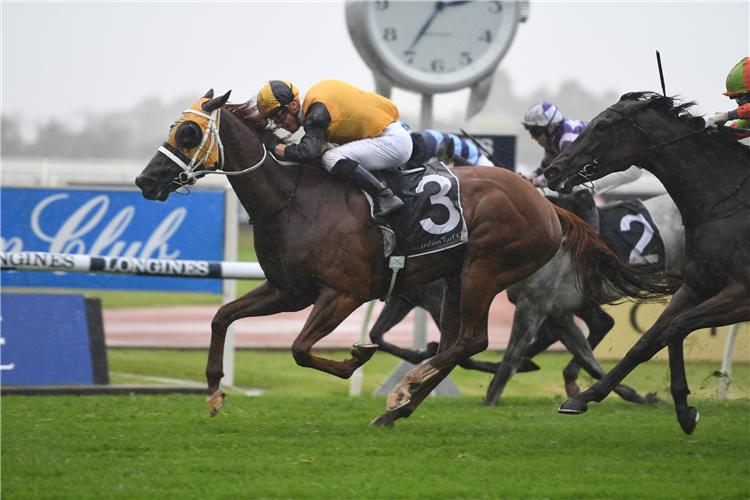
[(592, 167), (189, 174)]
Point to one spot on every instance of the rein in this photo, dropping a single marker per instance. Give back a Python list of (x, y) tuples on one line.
[(288, 203), (592, 167)]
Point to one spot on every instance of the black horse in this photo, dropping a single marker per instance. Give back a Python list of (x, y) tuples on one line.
[(707, 177)]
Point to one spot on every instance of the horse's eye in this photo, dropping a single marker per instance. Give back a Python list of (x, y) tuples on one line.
[(188, 135), (601, 127)]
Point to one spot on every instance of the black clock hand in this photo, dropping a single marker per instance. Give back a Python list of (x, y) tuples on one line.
[(439, 6)]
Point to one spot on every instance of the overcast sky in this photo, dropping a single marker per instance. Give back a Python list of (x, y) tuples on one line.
[(62, 59)]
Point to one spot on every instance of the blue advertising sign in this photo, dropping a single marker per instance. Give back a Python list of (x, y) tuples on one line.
[(45, 340), (113, 224)]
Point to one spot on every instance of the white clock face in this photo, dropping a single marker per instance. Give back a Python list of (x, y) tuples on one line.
[(439, 46)]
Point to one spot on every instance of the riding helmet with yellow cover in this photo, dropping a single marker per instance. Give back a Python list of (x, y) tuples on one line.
[(276, 94), (738, 80)]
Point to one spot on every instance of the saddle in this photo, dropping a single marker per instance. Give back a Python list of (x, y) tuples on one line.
[(431, 219)]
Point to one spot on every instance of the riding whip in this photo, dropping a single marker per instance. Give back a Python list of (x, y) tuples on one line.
[(661, 74), (489, 155)]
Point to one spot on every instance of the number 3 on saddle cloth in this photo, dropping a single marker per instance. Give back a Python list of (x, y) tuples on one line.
[(629, 230), (431, 219)]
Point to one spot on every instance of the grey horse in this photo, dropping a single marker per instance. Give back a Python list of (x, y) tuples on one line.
[(546, 303)]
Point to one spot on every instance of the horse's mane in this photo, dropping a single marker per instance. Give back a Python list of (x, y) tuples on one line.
[(674, 107), (250, 115)]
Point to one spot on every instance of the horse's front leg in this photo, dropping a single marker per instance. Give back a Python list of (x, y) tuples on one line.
[(687, 416), (331, 308), (731, 305), (647, 346), (263, 300)]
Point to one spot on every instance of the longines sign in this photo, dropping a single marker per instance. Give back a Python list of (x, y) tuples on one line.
[(115, 224)]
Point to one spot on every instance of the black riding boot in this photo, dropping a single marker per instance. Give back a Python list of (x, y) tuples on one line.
[(384, 200)]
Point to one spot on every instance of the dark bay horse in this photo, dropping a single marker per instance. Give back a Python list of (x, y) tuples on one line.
[(317, 244), (707, 177), (546, 303)]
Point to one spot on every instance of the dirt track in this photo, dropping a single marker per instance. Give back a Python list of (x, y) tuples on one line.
[(190, 327)]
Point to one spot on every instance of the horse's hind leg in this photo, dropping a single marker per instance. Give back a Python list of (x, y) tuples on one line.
[(532, 309), (426, 296), (576, 343), (599, 324), (419, 383), (264, 300)]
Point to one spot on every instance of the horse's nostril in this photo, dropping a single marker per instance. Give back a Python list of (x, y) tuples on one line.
[(552, 172), (144, 182)]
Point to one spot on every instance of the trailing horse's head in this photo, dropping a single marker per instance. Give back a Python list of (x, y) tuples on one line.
[(629, 132), (193, 143)]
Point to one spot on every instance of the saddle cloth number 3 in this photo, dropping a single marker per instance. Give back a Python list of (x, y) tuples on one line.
[(440, 198)]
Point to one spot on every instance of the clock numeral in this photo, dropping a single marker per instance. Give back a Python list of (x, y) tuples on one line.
[(389, 34), (465, 58), (381, 4), (486, 36), (438, 66), (409, 54), (495, 7)]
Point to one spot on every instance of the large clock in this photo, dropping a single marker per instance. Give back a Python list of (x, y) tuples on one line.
[(433, 47)]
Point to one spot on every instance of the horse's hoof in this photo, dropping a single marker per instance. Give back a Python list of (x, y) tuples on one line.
[(652, 398), (364, 351), (381, 421), (528, 366), (396, 401), (572, 389), (215, 401), (573, 406), (688, 420)]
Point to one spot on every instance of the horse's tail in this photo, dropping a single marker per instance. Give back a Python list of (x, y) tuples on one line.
[(600, 275)]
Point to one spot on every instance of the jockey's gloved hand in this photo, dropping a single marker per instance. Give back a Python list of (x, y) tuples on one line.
[(269, 140), (717, 120)]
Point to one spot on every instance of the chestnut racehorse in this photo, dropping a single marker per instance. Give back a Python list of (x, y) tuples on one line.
[(317, 244)]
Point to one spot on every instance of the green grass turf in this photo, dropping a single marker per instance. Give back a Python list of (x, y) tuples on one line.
[(321, 447), (305, 438), (276, 372)]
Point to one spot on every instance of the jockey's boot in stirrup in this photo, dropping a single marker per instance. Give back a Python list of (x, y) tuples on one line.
[(384, 200)]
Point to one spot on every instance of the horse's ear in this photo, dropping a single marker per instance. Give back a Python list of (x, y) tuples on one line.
[(215, 103), (209, 94), (451, 148)]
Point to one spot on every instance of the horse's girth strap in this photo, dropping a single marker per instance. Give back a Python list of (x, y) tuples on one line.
[(396, 262)]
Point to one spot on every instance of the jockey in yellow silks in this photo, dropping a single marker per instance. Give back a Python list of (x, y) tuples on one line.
[(738, 88), (361, 124)]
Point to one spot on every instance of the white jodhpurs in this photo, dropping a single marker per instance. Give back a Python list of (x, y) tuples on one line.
[(483, 161), (391, 149)]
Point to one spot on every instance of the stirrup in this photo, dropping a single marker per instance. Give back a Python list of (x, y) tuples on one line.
[(382, 208)]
